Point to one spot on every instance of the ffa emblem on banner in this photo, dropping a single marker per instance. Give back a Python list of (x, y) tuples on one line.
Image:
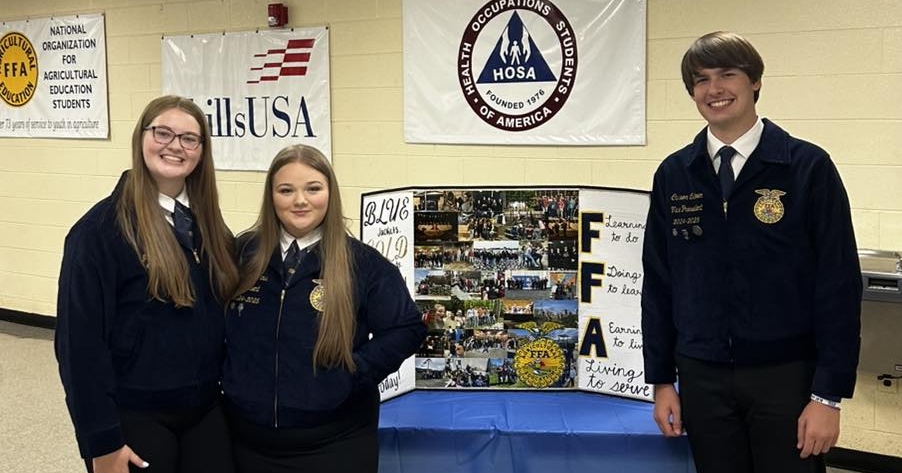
[(539, 363), (768, 208), (18, 69), (316, 296)]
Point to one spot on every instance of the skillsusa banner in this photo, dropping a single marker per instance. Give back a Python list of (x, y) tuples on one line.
[(53, 78), (541, 72), (261, 91)]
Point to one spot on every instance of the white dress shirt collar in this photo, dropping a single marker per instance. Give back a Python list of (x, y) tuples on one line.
[(305, 241), (168, 203), (744, 146)]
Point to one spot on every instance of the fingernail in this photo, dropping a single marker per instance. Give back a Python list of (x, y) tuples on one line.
[(145, 465)]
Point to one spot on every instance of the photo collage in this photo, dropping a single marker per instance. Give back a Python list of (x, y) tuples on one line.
[(495, 277)]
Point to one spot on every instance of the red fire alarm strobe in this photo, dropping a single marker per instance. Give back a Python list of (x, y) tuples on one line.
[(278, 15)]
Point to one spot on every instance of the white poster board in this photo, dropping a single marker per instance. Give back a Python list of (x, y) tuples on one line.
[(387, 225), (521, 288), (612, 230)]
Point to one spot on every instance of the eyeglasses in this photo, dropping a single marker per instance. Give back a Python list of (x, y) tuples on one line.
[(164, 136)]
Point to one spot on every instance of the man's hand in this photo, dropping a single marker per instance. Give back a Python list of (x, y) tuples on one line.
[(117, 461), (667, 411), (818, 429)]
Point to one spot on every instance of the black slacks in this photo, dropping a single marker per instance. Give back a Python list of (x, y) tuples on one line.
[(178, 441), (744, 419), (347, 444)]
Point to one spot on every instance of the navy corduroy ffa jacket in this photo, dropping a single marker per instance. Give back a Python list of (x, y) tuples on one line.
[(118, 347), (770, 276), (268, 376)]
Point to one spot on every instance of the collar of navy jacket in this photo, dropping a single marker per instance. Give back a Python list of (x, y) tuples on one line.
[(772, 149)]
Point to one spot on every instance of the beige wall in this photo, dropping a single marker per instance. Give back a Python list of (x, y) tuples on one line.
[(833, 76)]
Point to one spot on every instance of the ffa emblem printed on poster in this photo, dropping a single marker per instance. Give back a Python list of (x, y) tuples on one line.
[(539, 363), (316, 296), (768, 208)]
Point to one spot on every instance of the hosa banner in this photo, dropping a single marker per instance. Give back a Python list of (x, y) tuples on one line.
[(261, 91), (538, 72), (53, 78)]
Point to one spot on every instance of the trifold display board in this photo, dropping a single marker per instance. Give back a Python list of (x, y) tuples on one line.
[(521, 288)]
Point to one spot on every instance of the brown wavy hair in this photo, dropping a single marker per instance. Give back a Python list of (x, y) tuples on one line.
[(721, 49), (142, 222), (335, 338)]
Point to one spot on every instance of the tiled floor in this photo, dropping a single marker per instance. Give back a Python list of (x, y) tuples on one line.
[(31, 404)]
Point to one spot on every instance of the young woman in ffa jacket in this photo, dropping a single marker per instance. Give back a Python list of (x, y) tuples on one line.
[(319, 320), (140, 324)]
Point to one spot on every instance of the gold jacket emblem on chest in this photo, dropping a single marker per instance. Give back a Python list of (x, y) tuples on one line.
[(768, 208), (317, 295)]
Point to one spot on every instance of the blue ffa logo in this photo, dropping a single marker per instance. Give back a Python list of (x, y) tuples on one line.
[(525, 52)]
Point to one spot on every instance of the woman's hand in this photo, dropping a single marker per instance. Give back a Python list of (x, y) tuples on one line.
[(117, 461)]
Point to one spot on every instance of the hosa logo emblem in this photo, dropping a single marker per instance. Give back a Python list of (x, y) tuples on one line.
[(517, 63), (289, 61)]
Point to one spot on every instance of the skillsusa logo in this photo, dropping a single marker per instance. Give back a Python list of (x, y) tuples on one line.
[(289, 61), (517, 63), (18, 69)]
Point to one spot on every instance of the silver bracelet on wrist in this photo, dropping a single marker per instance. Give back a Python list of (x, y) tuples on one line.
[(826, 402)]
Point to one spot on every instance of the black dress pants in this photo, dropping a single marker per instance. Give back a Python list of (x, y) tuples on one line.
[(744, 419), (193, 440), (349, 443)]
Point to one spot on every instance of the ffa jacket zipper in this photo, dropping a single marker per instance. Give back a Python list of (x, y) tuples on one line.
[(275, 402), (194, 247), (726, 206)]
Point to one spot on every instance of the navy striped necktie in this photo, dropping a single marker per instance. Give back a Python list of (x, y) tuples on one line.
[(292, 259), (725, 172), (184, 225)]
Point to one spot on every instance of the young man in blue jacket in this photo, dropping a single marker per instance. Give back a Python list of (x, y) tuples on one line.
[(752, 286)]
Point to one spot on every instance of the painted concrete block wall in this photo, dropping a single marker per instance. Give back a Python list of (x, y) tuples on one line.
[(833, 75)]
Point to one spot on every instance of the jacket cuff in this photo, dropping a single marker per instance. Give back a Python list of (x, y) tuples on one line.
[(100, 443), (833, 384)]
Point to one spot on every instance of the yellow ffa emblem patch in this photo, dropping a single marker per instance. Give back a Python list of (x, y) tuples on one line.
[(539, 363), (316, 296), (18, 69), (768, 208)]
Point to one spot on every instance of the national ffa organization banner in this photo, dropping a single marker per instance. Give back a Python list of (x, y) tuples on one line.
[(53, 78), (261, 91), (541, 72)]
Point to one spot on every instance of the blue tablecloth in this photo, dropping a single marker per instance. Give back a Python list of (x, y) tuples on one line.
[(523, 432)]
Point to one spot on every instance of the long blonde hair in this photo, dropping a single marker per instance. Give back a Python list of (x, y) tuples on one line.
[(141, 221), (335, 338)]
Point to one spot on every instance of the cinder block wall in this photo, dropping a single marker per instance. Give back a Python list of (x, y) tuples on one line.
[(833, 75)]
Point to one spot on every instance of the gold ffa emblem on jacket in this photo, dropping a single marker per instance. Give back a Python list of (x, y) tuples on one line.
[(316, 296), (768, 208)]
